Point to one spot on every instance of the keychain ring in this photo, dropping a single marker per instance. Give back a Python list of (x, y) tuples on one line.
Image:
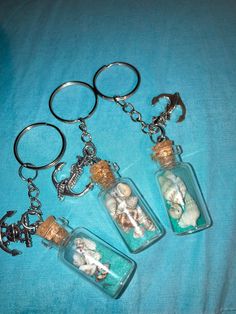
[(29, 165), (118, 97), (64, 85)]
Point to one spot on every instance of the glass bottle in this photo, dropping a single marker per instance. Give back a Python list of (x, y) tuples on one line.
[(89, 256), (127, 208), (182, 196)]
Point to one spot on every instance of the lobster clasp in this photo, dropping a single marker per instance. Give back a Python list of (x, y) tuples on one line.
[(173, 100)]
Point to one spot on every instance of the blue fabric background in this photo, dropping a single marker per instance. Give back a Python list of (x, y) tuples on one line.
[(185, 46)]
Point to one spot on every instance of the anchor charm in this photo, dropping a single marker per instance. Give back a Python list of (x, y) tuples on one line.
[(174, 100), (15, 232), (65, 186)]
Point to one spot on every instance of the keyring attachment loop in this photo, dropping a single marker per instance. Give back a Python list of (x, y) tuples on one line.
[(118, 97), (161, 137), (20, 172), (67, 84), (30, 165), (31, 227)]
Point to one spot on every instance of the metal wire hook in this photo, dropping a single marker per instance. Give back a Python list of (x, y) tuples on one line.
[(173, 100)]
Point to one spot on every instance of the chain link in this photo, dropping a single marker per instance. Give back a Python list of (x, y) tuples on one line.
[(34, 208), (89, 149), (136, 116)]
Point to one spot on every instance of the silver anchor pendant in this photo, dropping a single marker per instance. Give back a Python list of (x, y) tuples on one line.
[(65, 186), (173, 100), (15, 232)]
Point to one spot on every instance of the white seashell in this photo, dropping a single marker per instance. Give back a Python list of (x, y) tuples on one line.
[(122, 207), (175, 211), (171, 191), (191, 213), (123, 190), (111, 205), (88, 269), (139, 232), (78, 260), (132, 201), (91, 245), (79, 242), (176, 180), (91, 257)]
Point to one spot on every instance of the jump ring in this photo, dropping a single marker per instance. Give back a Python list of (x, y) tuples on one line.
[(160, 137), (119, 97), (20, 172)]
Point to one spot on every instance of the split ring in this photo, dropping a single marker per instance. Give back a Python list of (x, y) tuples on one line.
[(118, 97), (29, 165), (67, 84)]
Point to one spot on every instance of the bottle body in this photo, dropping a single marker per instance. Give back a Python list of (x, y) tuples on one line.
[(131, 215), (97, 261), (184, 202)]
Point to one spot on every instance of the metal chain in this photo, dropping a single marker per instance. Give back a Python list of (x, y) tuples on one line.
[(33, 193), (34, 208), (89, 150), (86, 136), (158, 122), (147, 128)]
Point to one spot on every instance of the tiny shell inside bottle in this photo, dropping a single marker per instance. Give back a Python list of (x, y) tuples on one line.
[(128, 210), (89, 256), (183, 199)]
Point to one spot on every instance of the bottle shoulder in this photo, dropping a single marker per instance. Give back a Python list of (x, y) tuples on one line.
[(125, 180), (184, 166)]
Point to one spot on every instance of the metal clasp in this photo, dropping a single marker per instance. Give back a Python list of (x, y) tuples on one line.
[(173, 100)]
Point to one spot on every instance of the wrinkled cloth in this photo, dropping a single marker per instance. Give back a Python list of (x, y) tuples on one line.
[(184, 46)]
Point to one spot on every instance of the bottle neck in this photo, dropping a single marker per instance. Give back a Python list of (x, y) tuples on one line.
[(53, 232), (168, 163), (166, 154)]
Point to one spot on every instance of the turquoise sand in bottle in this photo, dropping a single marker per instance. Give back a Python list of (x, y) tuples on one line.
[(130, 213), (183, 199), (91, 257)]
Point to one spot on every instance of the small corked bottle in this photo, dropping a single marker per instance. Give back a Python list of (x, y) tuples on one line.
[(91, 257), (183, 199), (128, 210)]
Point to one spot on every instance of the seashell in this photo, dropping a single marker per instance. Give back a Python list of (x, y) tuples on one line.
[(111, 205), (176, 180), (79, 242), (88, 269), (89, 244), (171, 191), (191, 213), (143, 219), (125, 221), (149, 225), (103, 272), (123, 190), (139, 232), (91, 257), (132, 201), (78, 260), (175, 211)]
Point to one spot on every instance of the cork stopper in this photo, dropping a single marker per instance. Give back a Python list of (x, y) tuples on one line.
[(163, 153), (102, 174), (52, 231)]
